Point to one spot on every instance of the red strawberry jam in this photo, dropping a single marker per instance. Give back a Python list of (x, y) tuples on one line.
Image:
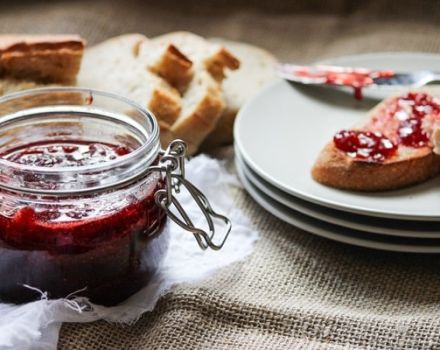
[(407, 120), (365, 145), (109, 243), (65, 154)]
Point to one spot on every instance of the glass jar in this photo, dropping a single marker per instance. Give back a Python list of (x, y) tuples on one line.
[(85, 190)]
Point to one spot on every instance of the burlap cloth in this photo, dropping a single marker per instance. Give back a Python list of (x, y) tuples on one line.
[(297, 290)]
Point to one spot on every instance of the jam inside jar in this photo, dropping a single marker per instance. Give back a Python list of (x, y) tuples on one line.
[(78, 211)]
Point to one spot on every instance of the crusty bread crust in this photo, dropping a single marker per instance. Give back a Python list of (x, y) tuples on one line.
[(114, 65), (165, 105), (334, 168), (214, 57), (256, 70), (19, 42), (220, 60), (203, 102), (197, 124), (42, 58), (174, 67)]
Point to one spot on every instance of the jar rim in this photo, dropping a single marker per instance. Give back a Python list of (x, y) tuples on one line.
[(152, 140)]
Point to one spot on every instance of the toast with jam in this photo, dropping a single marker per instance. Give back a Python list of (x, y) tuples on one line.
[(391, 149)]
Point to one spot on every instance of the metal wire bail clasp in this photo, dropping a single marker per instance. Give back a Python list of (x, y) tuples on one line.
[(172, 164)]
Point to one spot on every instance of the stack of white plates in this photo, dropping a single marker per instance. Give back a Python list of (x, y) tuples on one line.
[(278, 136)]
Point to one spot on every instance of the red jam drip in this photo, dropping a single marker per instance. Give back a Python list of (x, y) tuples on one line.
[(365, 145), (407, 120), (64, 154), (356, 78)]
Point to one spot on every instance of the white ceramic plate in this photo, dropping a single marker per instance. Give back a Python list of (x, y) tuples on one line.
[(281, 131), (335, 232), (393, 227)]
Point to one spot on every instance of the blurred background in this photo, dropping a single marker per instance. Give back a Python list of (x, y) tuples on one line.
[(289, 29)]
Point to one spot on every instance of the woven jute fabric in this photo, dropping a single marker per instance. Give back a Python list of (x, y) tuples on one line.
[(297, 291)]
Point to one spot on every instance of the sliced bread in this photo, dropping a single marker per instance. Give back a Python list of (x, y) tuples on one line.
[(114, 66), (202, 108), (42, 58), (167, 61), (203, 102), (256, 71), (215, 58)]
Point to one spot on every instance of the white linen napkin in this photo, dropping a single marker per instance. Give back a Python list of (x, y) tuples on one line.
[(36, 325)]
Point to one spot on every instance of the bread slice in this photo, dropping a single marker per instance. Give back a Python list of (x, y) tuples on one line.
[(213, 57), (256, 71), (406, 167), (202, 108), (202, 100), (167, 61), (42, 58), (113, 66)]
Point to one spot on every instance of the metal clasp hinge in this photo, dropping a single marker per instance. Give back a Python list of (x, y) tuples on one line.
[(172, 165)]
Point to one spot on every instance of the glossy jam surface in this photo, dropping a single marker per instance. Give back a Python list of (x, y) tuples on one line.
[(64, 154), (365, 145), (110, 243), (407, 121)]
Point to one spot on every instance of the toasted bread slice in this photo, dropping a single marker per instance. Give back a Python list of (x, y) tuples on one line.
[(166, 60), (202, 108), (256, 71), (214, 57), (333, 168), (408, 166), (114, 66), (42, 58)]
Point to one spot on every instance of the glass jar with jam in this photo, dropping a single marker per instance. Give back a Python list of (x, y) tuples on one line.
[(85, 192)]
